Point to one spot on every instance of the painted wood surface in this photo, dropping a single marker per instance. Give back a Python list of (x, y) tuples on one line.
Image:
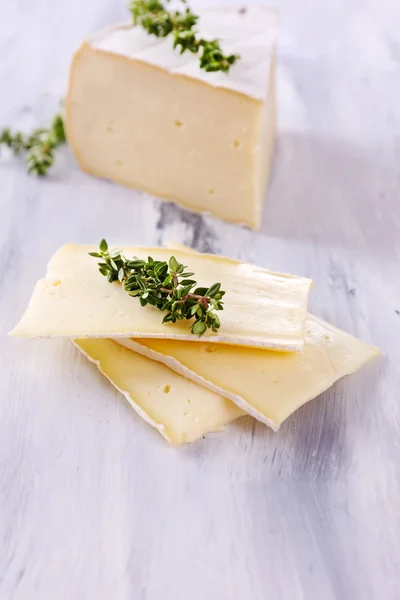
[(93, 503)]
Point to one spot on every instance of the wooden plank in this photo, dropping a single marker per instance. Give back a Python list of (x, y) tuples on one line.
[(93, 504)]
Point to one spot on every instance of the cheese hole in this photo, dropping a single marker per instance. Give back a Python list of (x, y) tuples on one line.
[(56, 283), (178, 123), (210, 349), (236, 144), (167, 389), (185, 414), (189, 401)]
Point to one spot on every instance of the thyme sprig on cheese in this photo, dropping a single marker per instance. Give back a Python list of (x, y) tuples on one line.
[(153, 16), (38, 147), (166, 286)]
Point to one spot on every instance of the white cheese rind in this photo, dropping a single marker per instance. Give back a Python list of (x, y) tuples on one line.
[(270, 386), (180, 410), (251, 33), (262, 308)]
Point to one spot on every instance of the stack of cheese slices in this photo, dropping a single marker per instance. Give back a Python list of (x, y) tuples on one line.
[(269, 357)]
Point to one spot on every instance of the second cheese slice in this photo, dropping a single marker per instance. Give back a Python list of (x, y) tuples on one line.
[(270, 386), (262, 308)]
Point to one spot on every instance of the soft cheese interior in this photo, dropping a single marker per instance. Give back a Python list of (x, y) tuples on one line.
[(141, 114)]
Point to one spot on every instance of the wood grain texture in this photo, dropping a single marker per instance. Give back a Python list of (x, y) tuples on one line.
[(93, 503)]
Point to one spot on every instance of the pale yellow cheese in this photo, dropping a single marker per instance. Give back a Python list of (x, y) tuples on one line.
[(140, 113), (74, 300), (270, 386), (179, 409)]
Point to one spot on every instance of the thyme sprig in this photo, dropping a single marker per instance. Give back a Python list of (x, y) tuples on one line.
[(38, 147), (153, 16), (166, 286)]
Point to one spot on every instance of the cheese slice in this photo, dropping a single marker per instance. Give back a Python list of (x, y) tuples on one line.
[(74, 300), (270, 386), (180, 410), (141, 114)]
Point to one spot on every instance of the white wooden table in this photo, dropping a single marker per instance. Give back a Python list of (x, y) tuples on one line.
[(93, 503)]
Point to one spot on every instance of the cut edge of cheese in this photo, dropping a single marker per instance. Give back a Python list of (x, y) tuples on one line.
[(365, 353), (106, 355), (266, 143)]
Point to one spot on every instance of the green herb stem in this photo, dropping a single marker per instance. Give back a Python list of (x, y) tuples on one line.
[(166, 286), (38, 147), (154, 17)]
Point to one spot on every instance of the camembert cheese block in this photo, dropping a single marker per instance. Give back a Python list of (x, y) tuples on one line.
[(179, 409), (141, 114), (261, 308), (270, 386)]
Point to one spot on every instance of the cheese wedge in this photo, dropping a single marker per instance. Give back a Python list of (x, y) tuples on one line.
[(141, 114), (270, 386), (180, 410), (74, 300)]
